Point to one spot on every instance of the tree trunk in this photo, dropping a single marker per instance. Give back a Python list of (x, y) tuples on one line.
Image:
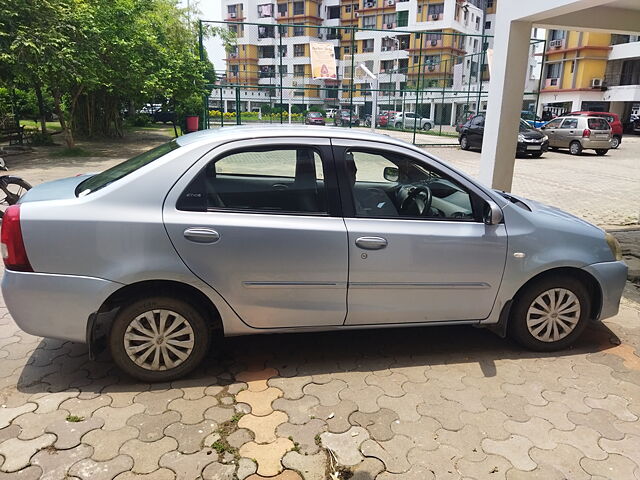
[(68, 135), (41, 109)]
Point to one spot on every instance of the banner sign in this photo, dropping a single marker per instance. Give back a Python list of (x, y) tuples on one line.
[(323, 61)]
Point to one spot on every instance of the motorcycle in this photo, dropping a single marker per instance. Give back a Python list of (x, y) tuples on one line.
[(11, 188)]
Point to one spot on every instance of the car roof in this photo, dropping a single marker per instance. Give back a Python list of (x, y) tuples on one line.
[(244, 132), (591, 113)]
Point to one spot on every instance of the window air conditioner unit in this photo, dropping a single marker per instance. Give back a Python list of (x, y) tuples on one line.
[(369, 5), (391, 3), (435, 16), (555, 43), (357, 14), (434, 43), (385, 49), (432, 68), (596, 83), (232, 15), (389, 26)]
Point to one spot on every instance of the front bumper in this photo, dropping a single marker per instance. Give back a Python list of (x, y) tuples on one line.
[(612, 277), (524, 147), (55, 306)]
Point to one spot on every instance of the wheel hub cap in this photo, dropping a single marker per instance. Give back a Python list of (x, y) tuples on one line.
[(159, 340), (553, 315)]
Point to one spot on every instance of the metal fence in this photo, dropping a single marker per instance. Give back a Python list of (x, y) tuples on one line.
[(424, 82)]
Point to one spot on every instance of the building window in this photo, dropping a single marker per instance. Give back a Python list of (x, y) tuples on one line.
[(282, 49), (265, 10), (298, 70), (389, 20), (283, 70), (282, 10), (298, 30), (403, 65), (387, 87), (557, 34), (367, 46), (386, 66), (298, 50), (232, 10), (369, 21), (478, 23), (487, 26), (266, 31), (347, 9), (333, 12), (298, 8), (489, 4), (435, 10), (403, 18), (266, 52), (267, 71), (553, 70)]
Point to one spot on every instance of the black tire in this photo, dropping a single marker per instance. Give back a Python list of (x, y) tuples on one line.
[(536, 154), (12, 190), (518, 329), (575, 148), (601, 151), (464, 143), (615, 141), (427, 126), (553, 149), (199, 326)]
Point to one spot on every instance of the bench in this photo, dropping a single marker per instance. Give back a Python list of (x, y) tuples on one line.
[(11, 130)]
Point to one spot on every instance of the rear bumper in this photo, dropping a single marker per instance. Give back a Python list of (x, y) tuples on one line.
[(55, 306), (612, 277), (588, 143)]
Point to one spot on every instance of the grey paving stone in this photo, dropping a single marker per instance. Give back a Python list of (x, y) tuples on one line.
[(193, 411), (393, 453), (515, 449), (391, 384), (535, 429), (146, 455), (614, 467), (55, 464), (365, 398), (85, 407), (405, 406), (312, 467), (368, 469), (303, 435), (239, 438), (106, 443), (7, 414), (157, 401), (221, 414), (89, 469), (468, 441), (188, 466), (346, 446), (614, 404), (50, 402), (17, 453), (33, 425), (190, 437), (378, 424), (69, 433), (326, 393), (564, 458), (116, 418), (12, 431), (336, 417), (218, 471), (246, 467), (601, 420), (584, 439), (297, 410), (29, 473), (440, 462), (151, 427)]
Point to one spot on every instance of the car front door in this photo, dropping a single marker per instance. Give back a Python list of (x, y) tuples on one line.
[(262, 227), (567, 132), (418, 248), (476, 131), (409, 120), (550, 130)]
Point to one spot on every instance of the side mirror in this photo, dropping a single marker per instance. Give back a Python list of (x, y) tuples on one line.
[(542, 127), (391, 174), (492, 214)]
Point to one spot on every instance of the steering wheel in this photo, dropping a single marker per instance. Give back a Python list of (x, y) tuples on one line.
[(416, 195)]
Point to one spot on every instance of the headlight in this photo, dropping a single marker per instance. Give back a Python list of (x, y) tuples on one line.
[(614, 245), (544, 139), (520, 137)]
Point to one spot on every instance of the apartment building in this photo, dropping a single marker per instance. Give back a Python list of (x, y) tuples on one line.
[(591, 71), (436, 73)]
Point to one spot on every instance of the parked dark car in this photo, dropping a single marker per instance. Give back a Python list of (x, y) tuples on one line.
[(314, 118), (530, 140), (612, 118), (463, 118), (342, 118), (164, 116)]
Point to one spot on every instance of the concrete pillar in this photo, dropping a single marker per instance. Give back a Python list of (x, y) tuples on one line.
[(576, 105), (248, 105), (454, 111), (432, 111), (226, 107), (508, 74)]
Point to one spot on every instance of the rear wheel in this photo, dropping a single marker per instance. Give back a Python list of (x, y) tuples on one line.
[(427, 126), (601, 151), (615, 141), (158, 339), (464, 142), (550, 314), (575, 148)]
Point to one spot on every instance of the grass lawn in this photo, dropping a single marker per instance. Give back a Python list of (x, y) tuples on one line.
[(32, 125)]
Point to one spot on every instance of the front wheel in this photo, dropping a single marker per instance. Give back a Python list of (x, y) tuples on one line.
[(601, 151), (575, 148), (550, 314), (158, 339), (464, 142), (12, 188)]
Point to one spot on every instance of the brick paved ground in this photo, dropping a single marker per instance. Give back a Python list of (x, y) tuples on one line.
[(439, 403)]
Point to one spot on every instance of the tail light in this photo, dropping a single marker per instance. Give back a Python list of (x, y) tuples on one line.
[(14, 253), (586, 133)]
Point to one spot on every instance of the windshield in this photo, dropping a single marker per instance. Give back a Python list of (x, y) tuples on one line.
[(524, 126), (314, 114), (100, 180)]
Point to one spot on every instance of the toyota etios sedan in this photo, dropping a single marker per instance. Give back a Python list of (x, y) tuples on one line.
[(267, 229)]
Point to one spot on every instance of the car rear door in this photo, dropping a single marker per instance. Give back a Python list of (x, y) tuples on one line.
[(414, 269), (261, 225)]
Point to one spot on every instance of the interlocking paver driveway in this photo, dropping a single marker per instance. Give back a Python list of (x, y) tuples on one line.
[(443, 403), (439, 403)]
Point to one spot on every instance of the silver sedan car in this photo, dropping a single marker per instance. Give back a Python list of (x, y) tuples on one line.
[(247, 230)]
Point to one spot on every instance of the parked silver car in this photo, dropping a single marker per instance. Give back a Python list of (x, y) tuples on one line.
[(578, 133), (410, 120), (246, 230)]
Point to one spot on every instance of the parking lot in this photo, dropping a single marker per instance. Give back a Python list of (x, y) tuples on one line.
[(427, 403)]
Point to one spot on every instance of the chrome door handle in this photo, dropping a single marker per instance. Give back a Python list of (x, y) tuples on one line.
[(371, 243), (201, 235)]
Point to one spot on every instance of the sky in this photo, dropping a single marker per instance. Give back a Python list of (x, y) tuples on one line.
[(210, 10)]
